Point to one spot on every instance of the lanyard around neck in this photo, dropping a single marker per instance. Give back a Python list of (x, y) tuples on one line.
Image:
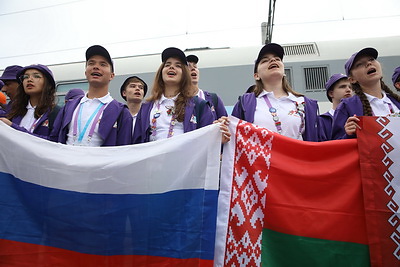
[(34, 124), (78, 121), (157, 115), (278, 124), (274, 115)]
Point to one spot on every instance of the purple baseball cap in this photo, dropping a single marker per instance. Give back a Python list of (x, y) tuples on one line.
[(332, 80), (73, 93), (271, 48), (369, 51), (396, 75), (44, 69), (10, 73), (173, 52), (95, 50), (1, 84)]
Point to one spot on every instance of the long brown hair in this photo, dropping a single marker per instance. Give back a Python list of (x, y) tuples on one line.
[(46, 102), (367, 109), (259, 87), (185, 86)]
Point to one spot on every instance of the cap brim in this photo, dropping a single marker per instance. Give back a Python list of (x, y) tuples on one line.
[(369, 51), (40, 68)]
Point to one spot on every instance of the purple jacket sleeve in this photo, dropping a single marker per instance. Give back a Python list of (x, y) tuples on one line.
[(42, 128), (124, 135), (347, 108)]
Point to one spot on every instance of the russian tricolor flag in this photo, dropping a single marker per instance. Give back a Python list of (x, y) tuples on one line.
[(152, 204)]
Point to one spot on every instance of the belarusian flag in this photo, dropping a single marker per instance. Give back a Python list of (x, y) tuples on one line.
[(285, 202)]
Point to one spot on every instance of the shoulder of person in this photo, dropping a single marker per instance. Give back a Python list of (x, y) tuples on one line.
[(73, 102), (117, 103), (198, 101), (351, 100), (247, 97), (326, 114), (311, 100), (147, 105)]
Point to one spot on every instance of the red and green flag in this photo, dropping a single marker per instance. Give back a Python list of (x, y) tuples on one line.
[(285, 202)]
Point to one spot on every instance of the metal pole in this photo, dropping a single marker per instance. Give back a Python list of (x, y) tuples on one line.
[(270, 24), (263, 32)]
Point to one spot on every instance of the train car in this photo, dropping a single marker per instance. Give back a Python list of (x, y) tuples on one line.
[(228, 71)]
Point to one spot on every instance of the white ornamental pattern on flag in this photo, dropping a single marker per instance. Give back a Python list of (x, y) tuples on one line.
[(246, 219), (393, 205)]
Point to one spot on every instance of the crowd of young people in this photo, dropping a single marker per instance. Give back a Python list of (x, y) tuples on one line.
[(177, 105)]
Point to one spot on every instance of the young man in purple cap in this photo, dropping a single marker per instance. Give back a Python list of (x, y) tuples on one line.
[(10, 81), (133, 91), (95, 119), (337, 87), (396, 78), (217, 106)]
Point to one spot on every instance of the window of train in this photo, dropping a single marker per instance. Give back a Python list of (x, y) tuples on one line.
[(288, 73), (64, 87), (315, 78)]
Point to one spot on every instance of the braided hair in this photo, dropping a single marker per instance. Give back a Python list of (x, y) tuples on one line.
[(367, 109)]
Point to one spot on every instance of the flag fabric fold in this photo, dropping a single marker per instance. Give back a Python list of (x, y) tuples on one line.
[(141, 205)]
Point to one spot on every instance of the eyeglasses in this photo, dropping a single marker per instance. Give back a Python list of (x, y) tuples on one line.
[(34, 76)]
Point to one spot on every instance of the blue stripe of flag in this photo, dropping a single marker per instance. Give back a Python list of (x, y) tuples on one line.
[(178, 224)]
